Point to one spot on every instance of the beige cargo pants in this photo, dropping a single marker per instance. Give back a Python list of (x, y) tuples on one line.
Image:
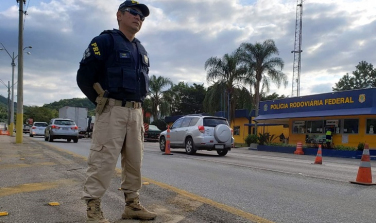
[(118, 130)]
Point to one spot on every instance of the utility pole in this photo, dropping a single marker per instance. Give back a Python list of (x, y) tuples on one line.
[(19, 121), (297, 49)]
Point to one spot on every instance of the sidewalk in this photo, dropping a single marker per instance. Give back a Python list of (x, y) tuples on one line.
[(34, 174)]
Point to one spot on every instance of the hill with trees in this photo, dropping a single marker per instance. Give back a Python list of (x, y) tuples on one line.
[(47, 111)]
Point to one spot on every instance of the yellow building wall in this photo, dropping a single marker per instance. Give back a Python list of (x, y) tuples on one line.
[(353, 139), (276, 130), (243, 133)]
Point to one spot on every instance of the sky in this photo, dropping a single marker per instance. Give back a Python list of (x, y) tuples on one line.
[(180, 35)]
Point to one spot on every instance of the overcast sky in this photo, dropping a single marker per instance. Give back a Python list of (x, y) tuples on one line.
[(180, 35)]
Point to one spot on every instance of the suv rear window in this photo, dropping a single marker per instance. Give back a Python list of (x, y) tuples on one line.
[(40, 124), (213, 122), (64, 122)]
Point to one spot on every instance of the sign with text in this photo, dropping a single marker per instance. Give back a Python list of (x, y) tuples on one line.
[(363, 98)]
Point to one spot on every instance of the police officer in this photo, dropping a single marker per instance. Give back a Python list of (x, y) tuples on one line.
[(120, 64)]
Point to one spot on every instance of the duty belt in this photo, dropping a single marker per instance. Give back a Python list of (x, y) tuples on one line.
[(127, 104)]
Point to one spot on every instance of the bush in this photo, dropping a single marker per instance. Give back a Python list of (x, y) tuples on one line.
[(265, 138), (251, 138), (345, 148), (361, 146)]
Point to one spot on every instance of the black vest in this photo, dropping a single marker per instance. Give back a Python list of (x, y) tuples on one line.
[(123, 79)]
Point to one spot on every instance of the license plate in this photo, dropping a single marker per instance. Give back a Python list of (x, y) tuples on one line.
[(65, 128), (219, 146)]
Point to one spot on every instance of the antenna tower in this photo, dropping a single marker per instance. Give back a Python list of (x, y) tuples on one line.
[(297, 49)]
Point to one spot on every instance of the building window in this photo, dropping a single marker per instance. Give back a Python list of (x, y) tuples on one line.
[(315, 126), (350, 126), (298, 127), (371, 126), (236, 130)]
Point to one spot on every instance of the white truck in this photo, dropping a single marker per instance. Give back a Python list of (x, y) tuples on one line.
[(78, 115)]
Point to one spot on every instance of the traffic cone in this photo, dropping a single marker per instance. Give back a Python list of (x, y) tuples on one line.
[(318, 159), (299, 149), (167, 148), (364, 176)]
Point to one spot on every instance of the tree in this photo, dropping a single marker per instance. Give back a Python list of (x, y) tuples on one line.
[(259, 59), (273, 96), (156, 85), (226, 72), (363, 77), (40, 114)]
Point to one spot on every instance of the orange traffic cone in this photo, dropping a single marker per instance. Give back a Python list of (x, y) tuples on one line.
[(167, 148), (318, 159), (299, 149), (364, 176)]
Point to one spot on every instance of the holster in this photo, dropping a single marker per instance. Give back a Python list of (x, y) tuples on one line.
[(102, 98)]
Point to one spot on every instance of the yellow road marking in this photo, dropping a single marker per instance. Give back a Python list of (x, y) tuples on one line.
[(23, 188), (23, 165), (224, 207)]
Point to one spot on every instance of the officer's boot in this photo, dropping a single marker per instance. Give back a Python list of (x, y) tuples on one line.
[(94, 212), (134, 210)]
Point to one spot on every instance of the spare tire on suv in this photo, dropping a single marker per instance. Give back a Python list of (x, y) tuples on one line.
[(222, 133)]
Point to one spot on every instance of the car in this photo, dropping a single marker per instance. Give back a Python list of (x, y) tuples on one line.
[(199, 132), (151, 133), (26, 129), (61, 128), (37, 129)]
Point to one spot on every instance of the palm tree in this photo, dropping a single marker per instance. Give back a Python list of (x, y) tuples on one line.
[(259, 59), (227, 72), (156, 84)]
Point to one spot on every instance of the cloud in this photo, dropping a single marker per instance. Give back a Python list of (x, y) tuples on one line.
[(181, 35)]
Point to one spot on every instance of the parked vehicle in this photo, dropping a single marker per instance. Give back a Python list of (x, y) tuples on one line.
[(37, 129), (78, 115), (26, 128), (199, 132), (60, 128), (151, 133)]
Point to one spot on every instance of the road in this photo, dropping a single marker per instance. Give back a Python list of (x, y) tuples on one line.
[(274, 186)]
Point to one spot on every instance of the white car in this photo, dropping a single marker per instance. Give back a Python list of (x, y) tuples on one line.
[(37, 129), (199, 132)]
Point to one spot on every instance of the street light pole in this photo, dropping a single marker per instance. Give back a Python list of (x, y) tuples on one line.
[(11, 125)]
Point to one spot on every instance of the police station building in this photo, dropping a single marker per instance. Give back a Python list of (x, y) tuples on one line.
[(351, 116)]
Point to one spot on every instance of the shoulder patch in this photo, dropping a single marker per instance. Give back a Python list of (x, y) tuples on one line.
[(95, 48)]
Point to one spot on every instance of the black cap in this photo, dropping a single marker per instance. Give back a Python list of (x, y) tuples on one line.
[(144, 9)]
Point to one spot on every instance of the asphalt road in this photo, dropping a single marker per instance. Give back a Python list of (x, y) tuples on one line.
[(259, 186)]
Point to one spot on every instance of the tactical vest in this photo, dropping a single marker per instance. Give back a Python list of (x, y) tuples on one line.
[(122, 76)]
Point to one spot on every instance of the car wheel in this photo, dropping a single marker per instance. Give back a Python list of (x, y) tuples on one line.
[(75, 140), (50, 138), (162, 144), (30, 135), (222, 152), (69, 140), (189, 146), (45, 138)]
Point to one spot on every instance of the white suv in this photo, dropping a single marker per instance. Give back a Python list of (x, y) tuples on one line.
[(199, 132)]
